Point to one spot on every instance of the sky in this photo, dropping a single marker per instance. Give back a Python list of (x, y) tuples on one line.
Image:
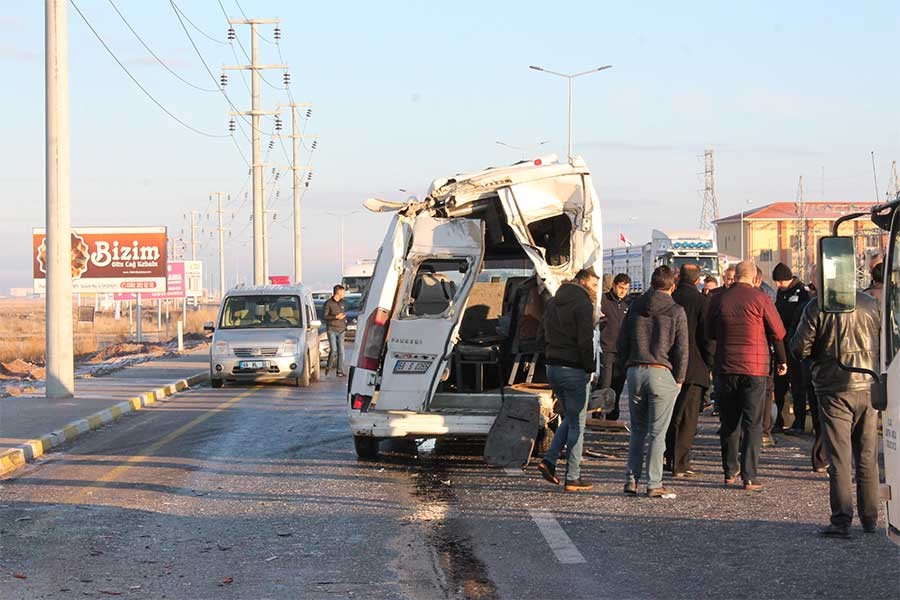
[(406, 92)]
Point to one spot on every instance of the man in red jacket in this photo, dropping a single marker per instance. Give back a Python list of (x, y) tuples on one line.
[(743, 322)]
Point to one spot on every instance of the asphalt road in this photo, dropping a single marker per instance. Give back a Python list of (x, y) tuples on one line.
[(255, 492)]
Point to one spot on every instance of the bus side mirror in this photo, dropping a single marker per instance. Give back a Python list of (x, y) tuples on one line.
[(836, 274)]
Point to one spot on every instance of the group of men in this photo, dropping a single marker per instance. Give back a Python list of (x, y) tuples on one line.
[(752, 343)]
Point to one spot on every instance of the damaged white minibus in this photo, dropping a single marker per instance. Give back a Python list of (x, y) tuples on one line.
[(450, 322)]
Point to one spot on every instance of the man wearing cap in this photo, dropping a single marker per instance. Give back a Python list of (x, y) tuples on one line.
[(790, 300)]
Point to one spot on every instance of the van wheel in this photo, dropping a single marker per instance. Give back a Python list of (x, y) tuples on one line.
[(303, 380), (217, 383), (366, 446)]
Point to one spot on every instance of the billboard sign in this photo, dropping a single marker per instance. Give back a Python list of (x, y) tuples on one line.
[(184, 281), (109, 259)]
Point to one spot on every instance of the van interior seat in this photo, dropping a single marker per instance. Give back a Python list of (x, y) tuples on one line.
[(287, 313), (483, 311), (432, 293)]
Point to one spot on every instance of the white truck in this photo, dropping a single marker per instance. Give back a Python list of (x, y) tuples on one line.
[(356, 277), (671, 248), (836, 278), (449, 328)]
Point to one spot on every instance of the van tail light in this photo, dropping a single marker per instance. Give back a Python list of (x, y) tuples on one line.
[(360, 402), (373, 340)]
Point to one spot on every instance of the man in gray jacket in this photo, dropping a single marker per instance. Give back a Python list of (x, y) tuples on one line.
[(654, 348), (849, 423)]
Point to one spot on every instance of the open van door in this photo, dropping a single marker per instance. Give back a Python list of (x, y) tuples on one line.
[(441, 266)]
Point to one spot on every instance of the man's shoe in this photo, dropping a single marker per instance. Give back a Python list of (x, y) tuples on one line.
[(835, 531), (612, 416), (630, 487), (768, 442), (684, 474), (731, 479), (658, 492), (750, 486), (870, 526), (340, 374), (578, 485), (794, 431), (548, 471), (820, 469)]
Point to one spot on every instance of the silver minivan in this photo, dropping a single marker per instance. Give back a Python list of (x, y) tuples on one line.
[(265, 333)]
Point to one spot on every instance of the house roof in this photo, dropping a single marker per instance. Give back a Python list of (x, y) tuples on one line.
[(781, 211)]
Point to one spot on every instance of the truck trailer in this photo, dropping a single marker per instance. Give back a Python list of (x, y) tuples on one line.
[(671, 248)]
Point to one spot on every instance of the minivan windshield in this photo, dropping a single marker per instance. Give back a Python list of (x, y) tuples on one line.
[(268, 311)]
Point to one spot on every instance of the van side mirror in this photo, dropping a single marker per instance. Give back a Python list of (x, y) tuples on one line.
[(209, 326), (837, 274), (315, 324)]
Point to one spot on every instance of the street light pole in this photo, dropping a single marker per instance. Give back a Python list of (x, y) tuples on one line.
[(571, 79)]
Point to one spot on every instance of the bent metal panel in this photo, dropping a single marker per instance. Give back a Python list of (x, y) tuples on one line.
[(109, 259)]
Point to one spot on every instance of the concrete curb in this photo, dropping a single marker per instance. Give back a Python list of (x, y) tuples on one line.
[(17, 456)]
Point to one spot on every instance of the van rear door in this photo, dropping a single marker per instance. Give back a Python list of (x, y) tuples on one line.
[(443, 261)]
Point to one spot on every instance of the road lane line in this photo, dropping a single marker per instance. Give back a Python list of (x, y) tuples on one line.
[(558, 540), (150, 450)]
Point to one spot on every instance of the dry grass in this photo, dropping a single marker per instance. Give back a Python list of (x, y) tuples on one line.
[(22, 329)]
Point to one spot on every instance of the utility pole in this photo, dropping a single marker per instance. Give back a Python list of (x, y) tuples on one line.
[(297, 169), (193, 237), (59, 343), (710, 210), (894, 188), (258, 192), (801, 262), (221, 231)]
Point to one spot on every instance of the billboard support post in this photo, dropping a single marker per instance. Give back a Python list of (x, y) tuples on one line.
[(59, 341), (139, 328)]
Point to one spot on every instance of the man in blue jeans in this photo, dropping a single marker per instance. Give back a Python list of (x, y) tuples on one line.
[(336, 324), (654, 347), (567, 336)]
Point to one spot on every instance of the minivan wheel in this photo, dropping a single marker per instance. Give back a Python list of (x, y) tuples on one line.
[(303, 380), (217, 383), (366, 446)]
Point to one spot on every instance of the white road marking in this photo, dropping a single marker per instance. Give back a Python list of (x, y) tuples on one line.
[(558, 540)]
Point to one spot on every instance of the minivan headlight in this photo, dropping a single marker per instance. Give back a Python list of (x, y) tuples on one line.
[(289, 348), (220, 349)]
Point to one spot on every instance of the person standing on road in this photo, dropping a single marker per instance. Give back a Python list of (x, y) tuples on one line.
[(876, 289), (683, 427), (848, 420), (653, 346), (768, 440), (709, 284), (743, 323), (336, 325), (613, 309), (727, 282), (792, 297), (567, 336)]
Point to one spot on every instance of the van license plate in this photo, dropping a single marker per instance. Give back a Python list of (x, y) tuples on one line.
[(253, 364), (411, 366)]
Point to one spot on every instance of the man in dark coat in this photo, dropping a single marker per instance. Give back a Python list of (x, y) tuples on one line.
[(790, 300), (683, 427), (613, 308)]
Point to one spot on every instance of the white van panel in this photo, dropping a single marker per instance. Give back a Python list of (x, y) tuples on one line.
[(418, 345)]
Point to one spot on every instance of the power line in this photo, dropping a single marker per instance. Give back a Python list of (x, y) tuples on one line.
[(179, 14), (138, 83), (201, 32), (244, 50), (154, 55)]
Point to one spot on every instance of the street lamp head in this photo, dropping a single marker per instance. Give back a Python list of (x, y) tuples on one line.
[(535, 68)]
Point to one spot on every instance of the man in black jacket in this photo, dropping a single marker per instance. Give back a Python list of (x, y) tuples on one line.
[(683, 427), (653, 346), (848, 420), (567, 336), (613, 308), (790, 300)]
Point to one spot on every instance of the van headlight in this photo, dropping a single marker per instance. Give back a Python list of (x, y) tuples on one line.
[(289, 348), (221, 349)]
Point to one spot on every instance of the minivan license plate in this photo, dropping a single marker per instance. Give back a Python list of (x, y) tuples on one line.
[(411, 366), (253, 364)]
